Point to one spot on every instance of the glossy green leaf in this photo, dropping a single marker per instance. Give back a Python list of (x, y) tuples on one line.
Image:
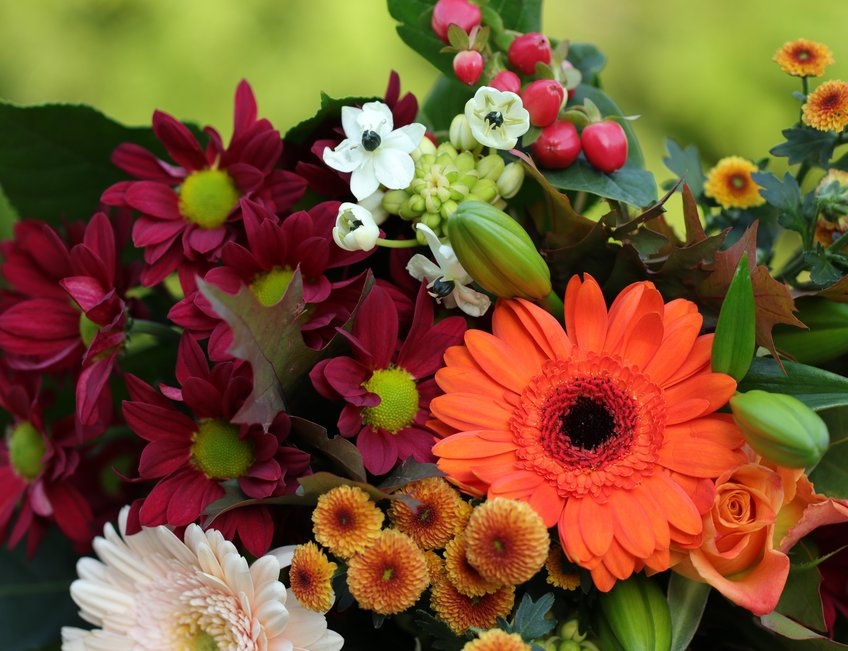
[(805, 144), (735, 333), (815, 387), (830, 476), (686, 164), (800, 599), (687, 600)]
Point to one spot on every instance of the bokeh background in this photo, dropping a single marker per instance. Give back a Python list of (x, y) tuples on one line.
[(699, 72)]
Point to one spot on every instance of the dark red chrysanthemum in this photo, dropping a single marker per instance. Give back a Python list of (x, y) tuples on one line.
[(191, 209), (388, 385), (190, 457)]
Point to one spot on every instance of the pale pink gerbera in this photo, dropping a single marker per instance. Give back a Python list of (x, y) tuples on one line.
[(151, 590)]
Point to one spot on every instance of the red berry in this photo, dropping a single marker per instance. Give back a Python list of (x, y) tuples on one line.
[(506, 80), (459, 12), (527, 50), (543, 99), (558, 145), (605, 145), (468, 66)]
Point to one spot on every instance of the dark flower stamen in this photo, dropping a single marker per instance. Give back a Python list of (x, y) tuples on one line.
[(495, 119), (371, 140)]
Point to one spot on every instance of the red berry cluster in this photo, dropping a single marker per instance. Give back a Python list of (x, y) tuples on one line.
[(541, 76)]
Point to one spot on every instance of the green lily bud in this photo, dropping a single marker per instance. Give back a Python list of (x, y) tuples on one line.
[(780, 427), (511, 180), (735, 333), (497, 252), (826, 335), (634, 616)]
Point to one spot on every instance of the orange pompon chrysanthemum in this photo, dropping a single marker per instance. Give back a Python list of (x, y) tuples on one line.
[(506, 541), (460, 612), (346, 521), (826, 108), (432, 521), (803, 58), (730, 183), (496, 639), (311, 576), (607, 428), (462, 574), (561, 573), (390, 575)]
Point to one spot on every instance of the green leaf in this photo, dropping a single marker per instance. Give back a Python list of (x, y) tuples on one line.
[(329, 110), (588, 59), (609, 108), (806, 145), (34, 598), (735, 333), (8, 217), (55, 159), (800, 599), (786, 196), (687, 600), (342, 455), (830, 475), (633, 186), (530, 621), (815, 387), (686, 164), (447, 99), (269, 338)]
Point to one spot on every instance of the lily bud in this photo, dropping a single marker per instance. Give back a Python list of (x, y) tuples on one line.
[(635, 616), (497, 252), (780, 427), (826, 335)]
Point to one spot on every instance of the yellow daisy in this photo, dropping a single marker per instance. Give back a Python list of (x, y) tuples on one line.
[(730, 183)]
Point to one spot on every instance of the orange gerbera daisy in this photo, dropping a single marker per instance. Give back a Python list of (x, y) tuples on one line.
[(346, 521), (311, 576), (432, 521), (826, 108), (506, 541), (803, 58), (496, 639), (730, 183), (605, 428), (460, 612)]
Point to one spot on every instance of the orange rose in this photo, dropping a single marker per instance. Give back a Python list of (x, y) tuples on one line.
[(738, 556)]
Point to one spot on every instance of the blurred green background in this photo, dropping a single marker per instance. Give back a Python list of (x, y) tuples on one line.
[(700, 72)]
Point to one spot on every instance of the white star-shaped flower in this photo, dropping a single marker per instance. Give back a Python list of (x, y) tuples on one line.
[(373, 151), (446, 279), (497, 118)]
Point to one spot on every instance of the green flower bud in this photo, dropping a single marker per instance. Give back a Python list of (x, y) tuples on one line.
[(491, 167), (634, 616), (485, 189), (448, 208), (412, 208), (569, 645), (465, 161), (393, 200), (511, 180), (825, 337), (425, 148), (832, 195), (780, 427), (497, 252), (446, 152), (570, 630), (460, 135)]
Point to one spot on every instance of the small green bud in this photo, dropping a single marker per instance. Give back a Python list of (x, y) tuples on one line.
[(569, 645), (460, 135), (448, 208), (497, 252), (832, 195), (511, 180), (465, 161), (781, 428), (432, 220), (491, 167), (485, 189), (634, 616), (570, 630), (446, 152), (425, 148), (412, 208), (432, 203), (393, 200)]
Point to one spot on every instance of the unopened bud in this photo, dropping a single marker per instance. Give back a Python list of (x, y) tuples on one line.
[(460, 134), (510, 180)]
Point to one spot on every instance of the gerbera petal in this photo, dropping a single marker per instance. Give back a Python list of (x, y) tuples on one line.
[(595, 523), (679, 337), (547, 502), (516, 485), (675, 503), (704, 447), (632, 304), (466, 411), (697, 396), (634, 526), (641, 342), (513, 320), (585, 314), (457, 378), (696, 361), (498, 358)]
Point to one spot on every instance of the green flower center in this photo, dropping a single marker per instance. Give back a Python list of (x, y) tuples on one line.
[(88, 329), (26, 448), (269, 287), (207, 197), (219, 452), (398, 400), (205, 642)]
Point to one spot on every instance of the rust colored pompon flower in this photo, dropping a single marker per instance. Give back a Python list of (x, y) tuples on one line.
[(431, 523), (506, 540), (826, 108), (803, 58), (606, 428), (496, 639), (460, 612), (561, 573), (310, 577), (389, 576), (464, 576), (346, 521), (730, 183)]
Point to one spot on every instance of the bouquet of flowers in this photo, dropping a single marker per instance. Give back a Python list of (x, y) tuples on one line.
[(432, 375)]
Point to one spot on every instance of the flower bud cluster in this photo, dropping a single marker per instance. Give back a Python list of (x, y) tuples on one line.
[(448, 174), (568, 637)]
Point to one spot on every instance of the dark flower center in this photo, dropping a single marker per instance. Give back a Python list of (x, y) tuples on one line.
[(441, 288), (588, 423), (371, 140), (494, 118)]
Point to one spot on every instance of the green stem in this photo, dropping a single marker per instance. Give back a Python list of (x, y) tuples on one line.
[(160, 330), (553, 304), (397, 244), (839, 242)]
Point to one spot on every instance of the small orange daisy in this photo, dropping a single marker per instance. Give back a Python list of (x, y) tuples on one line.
[(496, 639), (506, 541), (803, 58), (310, 577), (432, 521), (462, 574), (460, 612), (346, 521), (561, 573), (826, 108), (607, 428), (389, 575), (730, 183)]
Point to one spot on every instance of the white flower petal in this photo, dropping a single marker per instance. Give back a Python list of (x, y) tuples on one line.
[(406, 138), (393, 168), (351, 123), (496, 118), (363, 180), (377, 117), (421, 267), (470, 301), (355, 229), (346, 157)]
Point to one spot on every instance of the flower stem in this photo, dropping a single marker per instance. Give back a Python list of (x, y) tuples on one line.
[(397, 244), (553, 304)]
